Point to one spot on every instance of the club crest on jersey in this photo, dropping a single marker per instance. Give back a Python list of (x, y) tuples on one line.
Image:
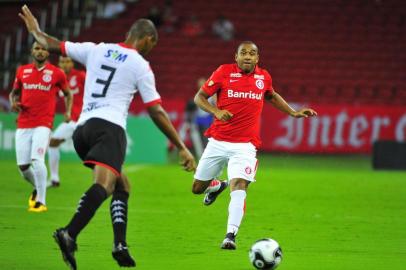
[(260, 84), (116, 56), (73, 81), (248, 170), (47, 78)]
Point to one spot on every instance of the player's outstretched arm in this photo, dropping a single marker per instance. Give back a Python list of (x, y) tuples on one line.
[(52, 44), (201, 100), (278, 102), (161, 120)]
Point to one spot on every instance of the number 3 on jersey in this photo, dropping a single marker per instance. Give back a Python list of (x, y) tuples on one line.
[(106, 83)]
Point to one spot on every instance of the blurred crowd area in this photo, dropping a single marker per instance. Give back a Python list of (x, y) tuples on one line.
[(347, 58), (338, 51)]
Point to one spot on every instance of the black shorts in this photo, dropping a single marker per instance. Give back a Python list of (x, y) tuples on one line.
[(100, 142)]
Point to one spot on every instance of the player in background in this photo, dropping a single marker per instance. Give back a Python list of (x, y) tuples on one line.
[(115, 72), (76, 80), (33, 96), (241, 89)]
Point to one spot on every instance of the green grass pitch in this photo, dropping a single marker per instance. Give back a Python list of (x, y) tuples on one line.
[(327, 213)]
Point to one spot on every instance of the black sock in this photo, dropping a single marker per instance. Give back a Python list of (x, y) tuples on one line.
[(34, 195), (118, 211), (87, 207)]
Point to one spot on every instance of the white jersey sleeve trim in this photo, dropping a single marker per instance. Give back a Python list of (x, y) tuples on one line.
[(147, 89), (78, 51)]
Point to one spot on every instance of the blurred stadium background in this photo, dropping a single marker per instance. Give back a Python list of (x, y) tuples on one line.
[(328, 208), (346, 58)]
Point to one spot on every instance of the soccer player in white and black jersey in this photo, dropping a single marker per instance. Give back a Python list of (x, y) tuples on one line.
[(115, 72)]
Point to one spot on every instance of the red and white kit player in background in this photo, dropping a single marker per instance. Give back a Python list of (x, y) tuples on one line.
[(76, 80), (34, 94), (241, 89)]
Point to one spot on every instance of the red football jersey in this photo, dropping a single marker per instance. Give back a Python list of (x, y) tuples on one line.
[(39, 88), (76, 80), (242, 95)]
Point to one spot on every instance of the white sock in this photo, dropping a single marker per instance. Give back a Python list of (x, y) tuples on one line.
[(53, 161), (28, 175), (40, 174), (236, 210), (214, 186)]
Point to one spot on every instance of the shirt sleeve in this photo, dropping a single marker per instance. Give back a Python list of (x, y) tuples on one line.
[(215, 82), (268, 83), (17, 80), (77, 51), (147, 89)]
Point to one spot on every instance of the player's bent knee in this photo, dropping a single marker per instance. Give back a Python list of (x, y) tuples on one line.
[(23, 167), (199, 186), (197, 190), (55, 142), (109, 186), (106, 178), (238, 184), (123, 183)]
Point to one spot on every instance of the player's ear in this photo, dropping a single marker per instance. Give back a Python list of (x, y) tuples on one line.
[(140, 42), (146, 39), (236, 56), (150, 39)]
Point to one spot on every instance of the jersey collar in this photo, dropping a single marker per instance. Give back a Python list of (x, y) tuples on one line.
[(122, 44), (256, 70), (40, 69)]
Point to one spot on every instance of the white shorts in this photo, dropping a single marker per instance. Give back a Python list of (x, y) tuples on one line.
[(64, 131), (31, 143), (240, 159)]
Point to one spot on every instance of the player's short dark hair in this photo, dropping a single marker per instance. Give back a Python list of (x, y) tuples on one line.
[(142, 28), (247, 42), (36, 42)]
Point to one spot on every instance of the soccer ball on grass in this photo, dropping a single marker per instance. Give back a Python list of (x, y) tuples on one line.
[(265, 254)]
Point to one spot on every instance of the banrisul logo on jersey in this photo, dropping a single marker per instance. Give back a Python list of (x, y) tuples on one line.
[(115, 56), (250, 94)]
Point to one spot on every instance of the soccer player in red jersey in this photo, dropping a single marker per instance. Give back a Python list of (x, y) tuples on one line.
[(241, 89), (34, 98), (76, 80)]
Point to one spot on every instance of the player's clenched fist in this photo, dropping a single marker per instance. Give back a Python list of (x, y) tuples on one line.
[(16, 106), (223, 115)]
